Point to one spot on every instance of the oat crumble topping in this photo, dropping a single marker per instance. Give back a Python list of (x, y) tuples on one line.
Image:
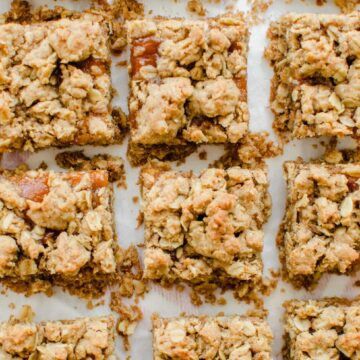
[(55, 83), (207, 229), (85, 338), (319, 233), (316, 85), (221, 337), (322, 329), (188, 81), (57, 229)]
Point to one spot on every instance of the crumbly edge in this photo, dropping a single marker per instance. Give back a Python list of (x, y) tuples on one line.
[(20, 336), (139, 154), (303, 281), (175, 341), (205, 290), (292, 306), (77, 160), (250, 153)]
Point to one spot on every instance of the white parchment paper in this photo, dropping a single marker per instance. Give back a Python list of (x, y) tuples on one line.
[(167, 302)]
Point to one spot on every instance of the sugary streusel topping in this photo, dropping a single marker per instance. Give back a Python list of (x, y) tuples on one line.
[(56, 224), (188, 80), (208, 338), (55, 86), (86, 338), (321, 224), (323, 329), (316, 86), (198, 228)]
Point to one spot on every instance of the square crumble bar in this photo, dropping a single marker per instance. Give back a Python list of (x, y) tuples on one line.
[(57, 229), (84, 338), (320, 230), (188, 81), (220, 337), (322, 329), (205, 230), (316, 85), (55, 84)]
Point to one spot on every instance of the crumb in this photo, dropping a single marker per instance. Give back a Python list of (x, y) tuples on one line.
[(26, 313), (179, 287), (221, 301), (12, 306), (269, 284), (196, 6), (121, 63), (315, 146), (135, 199), (139, 219), (258, 7), (250, 152), (43, 166), (128, 320), (357, 283), (257, 312), (128, 9), (275, 273), (203, 155), (150, 12), (282, 290), (77, 160), (347, 6), (90, 305), (130, 273), (230, 7)]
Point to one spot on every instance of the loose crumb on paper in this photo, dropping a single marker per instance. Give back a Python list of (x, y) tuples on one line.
[(135, 199), (77, 160), (346, 6), (258, 7), (203, 155), (250, 152), (130, 273), (130, 315), (197, 7)]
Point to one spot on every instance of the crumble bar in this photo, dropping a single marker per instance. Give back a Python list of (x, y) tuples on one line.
[(322, 329), (55, 85), (316, 85), (205, 230), (320, 230), (57, 229), (84, 338), (188, 82), (220, 337)]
